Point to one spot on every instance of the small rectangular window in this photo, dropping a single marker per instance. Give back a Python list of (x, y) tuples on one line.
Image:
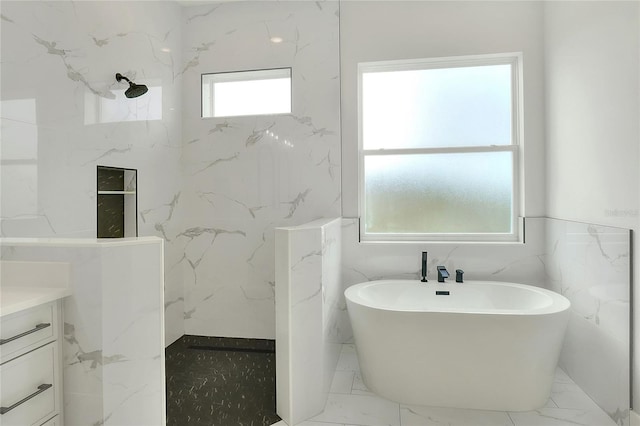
[(439, 148), (233, 94)]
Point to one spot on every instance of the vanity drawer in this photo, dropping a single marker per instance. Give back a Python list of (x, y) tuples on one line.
[(53, 422), (27, 330), (29, 387)]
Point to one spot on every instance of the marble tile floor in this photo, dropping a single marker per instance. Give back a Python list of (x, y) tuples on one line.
[(351, 404), (214, 381)]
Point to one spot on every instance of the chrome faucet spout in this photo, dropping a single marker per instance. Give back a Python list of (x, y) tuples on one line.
[(424, 267)]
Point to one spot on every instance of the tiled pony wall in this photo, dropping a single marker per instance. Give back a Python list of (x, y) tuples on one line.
[(592, 53), (590, 265), (308, 300)]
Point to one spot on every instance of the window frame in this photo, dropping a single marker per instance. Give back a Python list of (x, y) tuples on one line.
[(514, 59)]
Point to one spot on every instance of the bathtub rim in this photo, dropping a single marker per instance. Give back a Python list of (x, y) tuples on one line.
[(559, 302)]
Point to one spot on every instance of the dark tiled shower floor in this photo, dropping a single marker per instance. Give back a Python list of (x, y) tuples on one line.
[(221, 381)]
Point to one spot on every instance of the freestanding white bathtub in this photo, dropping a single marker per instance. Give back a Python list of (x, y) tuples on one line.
[(486, 345)]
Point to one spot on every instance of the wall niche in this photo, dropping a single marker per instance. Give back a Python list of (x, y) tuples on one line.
[(117, 202)]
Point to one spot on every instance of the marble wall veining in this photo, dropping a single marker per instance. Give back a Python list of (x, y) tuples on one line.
[(113, 342), (244, 176), (63, 113), (308, 294), (590, 265), (215, 189), (603, 185)]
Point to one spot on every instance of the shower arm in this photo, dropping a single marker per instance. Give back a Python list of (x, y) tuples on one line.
[(120, 77)]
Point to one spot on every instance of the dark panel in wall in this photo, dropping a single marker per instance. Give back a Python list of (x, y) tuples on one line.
[(117, 209), (111, 216), (110, 179)]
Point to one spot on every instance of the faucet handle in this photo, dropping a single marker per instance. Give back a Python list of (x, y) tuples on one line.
[(459, 274)]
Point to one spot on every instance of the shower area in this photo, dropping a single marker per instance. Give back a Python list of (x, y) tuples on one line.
[(214, 189), (118, 85)]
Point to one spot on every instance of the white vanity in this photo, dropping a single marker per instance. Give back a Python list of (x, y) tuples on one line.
[(31, 386)]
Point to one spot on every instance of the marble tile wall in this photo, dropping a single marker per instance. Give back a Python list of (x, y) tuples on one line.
[(332, 294), (590, 265), (216, 188), (307, 292), (244, 176), (113, 341), (214, 192), (63, 113)]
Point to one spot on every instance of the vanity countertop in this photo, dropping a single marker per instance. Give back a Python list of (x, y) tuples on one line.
[(15, 299), (78, 242), (24, 285)]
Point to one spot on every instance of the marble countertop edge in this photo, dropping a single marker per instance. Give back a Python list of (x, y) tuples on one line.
[(16, 299), (77, 242)]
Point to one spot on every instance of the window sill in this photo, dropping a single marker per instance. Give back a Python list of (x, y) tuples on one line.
[(443, 243), (511, 239)]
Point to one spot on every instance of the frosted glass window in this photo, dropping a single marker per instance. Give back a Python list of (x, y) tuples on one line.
[(263, 92), (440, 193), (439, 148), (466, 106)]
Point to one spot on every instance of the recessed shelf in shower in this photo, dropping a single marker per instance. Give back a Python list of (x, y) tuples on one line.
[(117, 205)]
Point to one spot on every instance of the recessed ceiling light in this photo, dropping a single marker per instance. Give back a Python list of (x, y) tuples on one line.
[(165, 49), (276, 39)]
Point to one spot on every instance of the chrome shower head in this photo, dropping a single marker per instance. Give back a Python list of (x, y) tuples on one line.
[(134, 90)]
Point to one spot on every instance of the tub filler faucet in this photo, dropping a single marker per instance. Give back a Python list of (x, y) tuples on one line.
[(424, 267), (442, 274)]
